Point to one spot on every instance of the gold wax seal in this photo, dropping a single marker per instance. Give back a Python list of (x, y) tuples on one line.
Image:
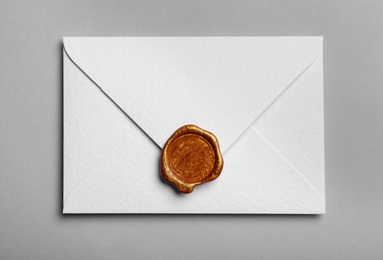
[(191, 157)]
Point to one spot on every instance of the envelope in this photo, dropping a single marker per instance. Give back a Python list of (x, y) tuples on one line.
[(261, 96)]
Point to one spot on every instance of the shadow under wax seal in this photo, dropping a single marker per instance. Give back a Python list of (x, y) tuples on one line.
[(191, 157)]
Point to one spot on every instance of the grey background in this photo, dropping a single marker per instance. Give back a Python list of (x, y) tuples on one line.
[(31, 223)]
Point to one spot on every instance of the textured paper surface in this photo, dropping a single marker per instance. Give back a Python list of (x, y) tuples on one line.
[(261, 96)]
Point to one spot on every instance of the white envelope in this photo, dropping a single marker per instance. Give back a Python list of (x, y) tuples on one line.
[(261, 96)]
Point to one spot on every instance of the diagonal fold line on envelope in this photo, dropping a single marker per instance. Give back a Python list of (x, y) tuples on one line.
[(289, 163), (300, 84), (95, 165), (276, 99), (115, 103), (83, 90)]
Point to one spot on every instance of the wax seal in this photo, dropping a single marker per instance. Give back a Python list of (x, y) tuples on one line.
[(191, 157)]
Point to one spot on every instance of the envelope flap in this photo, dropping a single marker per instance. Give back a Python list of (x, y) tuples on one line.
[(221, 84)]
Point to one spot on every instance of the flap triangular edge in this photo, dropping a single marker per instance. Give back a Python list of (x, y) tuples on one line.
[(219, 83)]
